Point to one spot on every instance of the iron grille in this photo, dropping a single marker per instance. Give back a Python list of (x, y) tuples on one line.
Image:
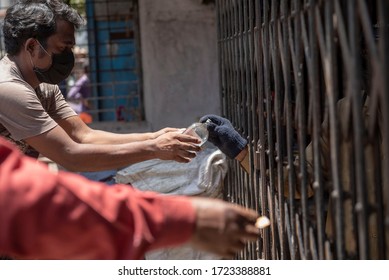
[(305, 82)]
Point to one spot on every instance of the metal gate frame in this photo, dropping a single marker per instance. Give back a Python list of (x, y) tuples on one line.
[(304, 81)]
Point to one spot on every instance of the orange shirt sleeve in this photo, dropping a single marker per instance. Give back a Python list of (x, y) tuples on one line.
[(65, 216)]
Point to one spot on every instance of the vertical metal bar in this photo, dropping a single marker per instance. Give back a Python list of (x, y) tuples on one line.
[(328, 55), (226, 54), (241, 120), (332, 94), (237, 68), (287, 122), (261, 145), (248, 126), (269, 123), (231, 77), (278, 152), (254, 125), (298, 70), (246, 69), (269, 90), (220, 25), (356, 98), (350, 189), (314, 93), (383, 14)]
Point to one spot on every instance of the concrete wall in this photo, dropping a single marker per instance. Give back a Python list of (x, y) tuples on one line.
[(179, 59)]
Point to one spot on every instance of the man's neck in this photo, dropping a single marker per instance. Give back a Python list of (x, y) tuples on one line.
[(24, 63)]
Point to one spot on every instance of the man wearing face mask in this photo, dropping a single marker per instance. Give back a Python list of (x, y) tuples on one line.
[(39, 37)]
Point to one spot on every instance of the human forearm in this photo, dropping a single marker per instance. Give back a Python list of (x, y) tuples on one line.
[(93, 136), (90, 157), (74, 156), (95, 157), (81, 133), (105, 137)]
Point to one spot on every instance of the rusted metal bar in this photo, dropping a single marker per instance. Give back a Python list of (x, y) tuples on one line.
[(356, 100), (295, 45), (326, 39), (383, 45)]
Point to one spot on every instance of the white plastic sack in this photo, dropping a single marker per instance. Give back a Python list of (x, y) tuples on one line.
[(203, 176)]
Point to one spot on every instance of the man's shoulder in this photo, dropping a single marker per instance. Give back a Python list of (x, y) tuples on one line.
[(5, 71), (10, 76), (15, 89)]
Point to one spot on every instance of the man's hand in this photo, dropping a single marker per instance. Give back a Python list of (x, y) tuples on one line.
[(223, 228), (223, 135), (176, 146)]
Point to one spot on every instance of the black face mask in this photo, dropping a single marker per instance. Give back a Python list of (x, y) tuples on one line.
[(61, 66)]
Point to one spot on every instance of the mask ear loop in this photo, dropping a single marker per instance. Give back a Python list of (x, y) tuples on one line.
[(33, 65), (29, 49), (43, 48)]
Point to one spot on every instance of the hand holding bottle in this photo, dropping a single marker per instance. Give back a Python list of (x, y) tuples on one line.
[(198, 130), (223, 135)]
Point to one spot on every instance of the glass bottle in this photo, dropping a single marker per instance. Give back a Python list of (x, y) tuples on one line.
[(198, 130)]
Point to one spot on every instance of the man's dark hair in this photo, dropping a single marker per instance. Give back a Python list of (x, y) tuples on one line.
[(35, 19)]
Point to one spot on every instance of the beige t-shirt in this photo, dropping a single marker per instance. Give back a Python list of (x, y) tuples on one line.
[(25, 112)]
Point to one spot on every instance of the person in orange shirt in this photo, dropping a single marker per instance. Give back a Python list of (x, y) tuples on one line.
[(46, 215)]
